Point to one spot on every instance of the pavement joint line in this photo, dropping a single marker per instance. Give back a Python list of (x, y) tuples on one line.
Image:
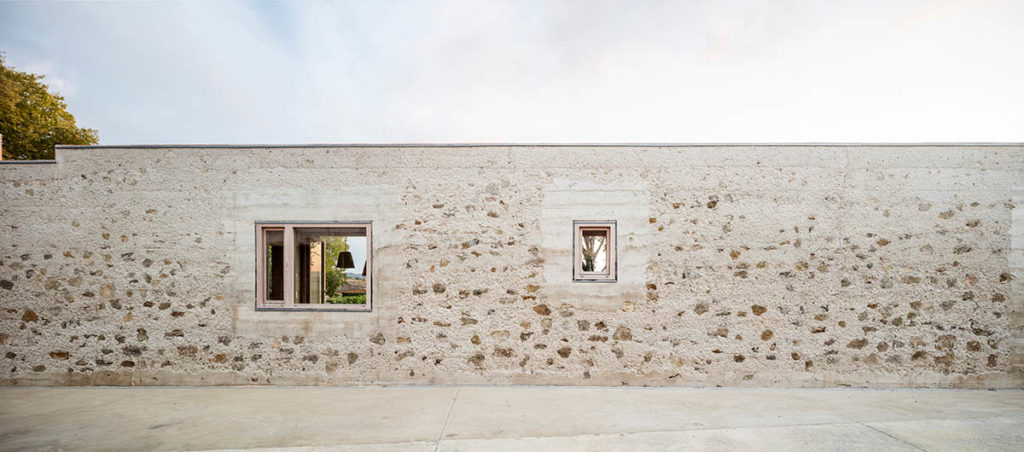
[(440, 439), (438, 442), (640, 432), (698, 429), (643, 432), (444, 427), (915, 446), (311, 447)]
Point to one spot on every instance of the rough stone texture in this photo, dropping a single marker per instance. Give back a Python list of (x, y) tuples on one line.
[(738, 266)]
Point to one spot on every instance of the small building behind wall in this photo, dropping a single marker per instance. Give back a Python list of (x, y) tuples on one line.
[(692, 265)]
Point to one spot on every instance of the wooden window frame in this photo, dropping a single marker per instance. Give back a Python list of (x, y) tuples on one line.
[(288, 304), (578, 275)]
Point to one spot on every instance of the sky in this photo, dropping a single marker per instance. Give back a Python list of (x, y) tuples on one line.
[(493, 71)]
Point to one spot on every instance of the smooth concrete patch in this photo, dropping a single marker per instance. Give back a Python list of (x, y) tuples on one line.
[(482, 412), (991, 433), (209, 418), (902, 405), (836, 437), (417, 446), (388, 419)]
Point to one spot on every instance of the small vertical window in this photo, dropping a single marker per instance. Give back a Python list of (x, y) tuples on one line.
[(594, 251), (314, 266)]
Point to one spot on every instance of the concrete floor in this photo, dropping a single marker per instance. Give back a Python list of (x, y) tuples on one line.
[(509, 418)]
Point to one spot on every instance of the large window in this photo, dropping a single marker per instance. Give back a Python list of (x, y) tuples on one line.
[(594, 251), (323, 266)]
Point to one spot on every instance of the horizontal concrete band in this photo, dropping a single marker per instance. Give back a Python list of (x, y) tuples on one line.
[(513, 145)]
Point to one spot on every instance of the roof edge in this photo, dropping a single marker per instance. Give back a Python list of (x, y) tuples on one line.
[(505, 145)]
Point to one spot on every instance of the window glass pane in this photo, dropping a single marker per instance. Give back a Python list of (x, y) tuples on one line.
[(594, 256), (274, 241), (330, 265)]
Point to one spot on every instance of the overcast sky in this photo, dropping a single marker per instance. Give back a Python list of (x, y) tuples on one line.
[(544, 71)]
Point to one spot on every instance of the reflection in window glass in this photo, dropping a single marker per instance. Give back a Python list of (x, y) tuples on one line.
[(275, 264), (594, 256), (594, 251), (330, 265)]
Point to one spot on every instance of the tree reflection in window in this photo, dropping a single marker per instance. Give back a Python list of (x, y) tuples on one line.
[(595, 250)]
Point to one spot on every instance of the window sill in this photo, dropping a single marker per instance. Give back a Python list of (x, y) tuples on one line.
[(362, 308), (595, 280)]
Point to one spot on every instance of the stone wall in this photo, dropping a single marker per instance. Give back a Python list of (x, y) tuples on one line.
[(825, 265)]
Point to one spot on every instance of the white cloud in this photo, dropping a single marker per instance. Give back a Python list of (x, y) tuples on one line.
[(476, 71), (52, 76)]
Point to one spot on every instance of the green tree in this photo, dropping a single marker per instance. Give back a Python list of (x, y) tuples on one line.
[(335, 276), (32, 119)]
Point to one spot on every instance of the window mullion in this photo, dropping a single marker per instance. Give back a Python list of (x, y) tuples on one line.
[(289, 266), (368, 277)]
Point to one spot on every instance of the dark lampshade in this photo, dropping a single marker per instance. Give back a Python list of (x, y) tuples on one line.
[(345, 260)]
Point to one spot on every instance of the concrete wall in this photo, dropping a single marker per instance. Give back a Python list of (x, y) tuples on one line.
[(738, 266)]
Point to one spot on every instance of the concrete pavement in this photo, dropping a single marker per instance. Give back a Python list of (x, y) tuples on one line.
[(508, 418)]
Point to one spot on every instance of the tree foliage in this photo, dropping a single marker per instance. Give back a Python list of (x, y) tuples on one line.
[(32, 119), (336, 277)]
